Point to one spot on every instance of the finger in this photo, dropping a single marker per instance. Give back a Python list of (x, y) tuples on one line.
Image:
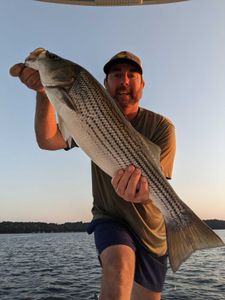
[(29, 73), (31, 78), (122, 184), (143, 193), (116, 178), (133, 184), (16, 70)]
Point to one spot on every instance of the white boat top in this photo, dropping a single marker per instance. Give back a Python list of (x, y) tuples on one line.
[(111, 2)]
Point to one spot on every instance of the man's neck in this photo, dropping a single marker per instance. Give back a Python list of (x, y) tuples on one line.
[(130, 113)]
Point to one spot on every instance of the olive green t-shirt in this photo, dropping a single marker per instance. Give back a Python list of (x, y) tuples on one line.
[(144, 220)]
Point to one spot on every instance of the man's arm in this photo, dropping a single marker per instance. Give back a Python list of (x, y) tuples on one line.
[(48, 135), (47, 132)]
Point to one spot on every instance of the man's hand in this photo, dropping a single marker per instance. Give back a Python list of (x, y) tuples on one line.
[(130, 185), (28, 76)]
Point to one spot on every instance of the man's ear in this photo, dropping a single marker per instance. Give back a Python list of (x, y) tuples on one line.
[(143, 82), (105, 82)]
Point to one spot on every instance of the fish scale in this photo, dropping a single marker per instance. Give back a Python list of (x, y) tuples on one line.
[(98, 126)]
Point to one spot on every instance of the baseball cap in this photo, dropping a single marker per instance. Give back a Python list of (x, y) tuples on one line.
[(123, 57)]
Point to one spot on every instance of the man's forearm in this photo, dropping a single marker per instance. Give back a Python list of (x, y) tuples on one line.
[(47, 133)]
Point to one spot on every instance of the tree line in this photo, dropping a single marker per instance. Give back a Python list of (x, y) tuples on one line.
[(41, 227), (215, 224), (36, 227)]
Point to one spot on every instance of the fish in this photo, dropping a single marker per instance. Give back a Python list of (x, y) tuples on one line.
[(98, 126), (111, 2)]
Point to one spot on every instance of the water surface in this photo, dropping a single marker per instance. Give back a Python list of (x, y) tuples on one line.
[(65, 266)]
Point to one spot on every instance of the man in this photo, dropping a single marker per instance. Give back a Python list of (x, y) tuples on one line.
[(131, 268)]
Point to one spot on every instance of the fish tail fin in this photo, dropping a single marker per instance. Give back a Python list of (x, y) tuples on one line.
[(182, 241)]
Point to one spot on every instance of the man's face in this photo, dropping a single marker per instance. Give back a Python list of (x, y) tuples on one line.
[(125, 84)]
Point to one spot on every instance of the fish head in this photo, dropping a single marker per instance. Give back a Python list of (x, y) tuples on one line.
[(54, 70)]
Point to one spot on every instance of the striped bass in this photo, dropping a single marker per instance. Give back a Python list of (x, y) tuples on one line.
[(98, 126)]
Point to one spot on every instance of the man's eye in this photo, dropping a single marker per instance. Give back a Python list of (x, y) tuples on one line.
[(116, 75), (133, 75)]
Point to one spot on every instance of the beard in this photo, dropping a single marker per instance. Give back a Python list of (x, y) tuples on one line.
[(125, 97)]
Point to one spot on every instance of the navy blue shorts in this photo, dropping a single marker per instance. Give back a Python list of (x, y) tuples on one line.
[(150, 270)]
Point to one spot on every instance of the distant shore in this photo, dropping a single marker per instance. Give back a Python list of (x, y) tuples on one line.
[(41, 227)]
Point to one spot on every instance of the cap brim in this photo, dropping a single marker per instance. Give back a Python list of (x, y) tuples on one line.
[(107, 67)]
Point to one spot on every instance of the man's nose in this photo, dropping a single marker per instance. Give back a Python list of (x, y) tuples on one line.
[(125, 78)]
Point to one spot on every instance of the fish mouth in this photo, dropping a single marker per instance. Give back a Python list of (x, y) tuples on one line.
[(35, 54)]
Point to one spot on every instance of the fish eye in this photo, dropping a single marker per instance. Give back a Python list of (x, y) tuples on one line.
[(51, 55)]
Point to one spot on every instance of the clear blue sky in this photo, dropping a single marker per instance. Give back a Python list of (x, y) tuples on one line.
[(182, 48)]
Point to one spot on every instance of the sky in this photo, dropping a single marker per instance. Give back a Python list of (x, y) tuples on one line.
[(181, 46)]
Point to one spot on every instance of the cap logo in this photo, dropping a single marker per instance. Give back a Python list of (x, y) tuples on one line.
[(121, 55)]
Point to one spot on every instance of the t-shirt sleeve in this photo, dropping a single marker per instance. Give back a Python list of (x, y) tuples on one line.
[(166, 140), (67, 137)]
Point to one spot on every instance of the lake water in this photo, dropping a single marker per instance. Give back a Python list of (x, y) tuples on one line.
[(65, 266)]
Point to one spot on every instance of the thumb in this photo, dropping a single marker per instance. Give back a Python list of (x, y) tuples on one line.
[(16, 70)]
